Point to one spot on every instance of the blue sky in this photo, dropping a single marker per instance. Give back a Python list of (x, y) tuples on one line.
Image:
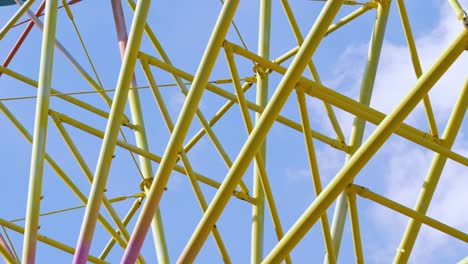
[(183, 27)]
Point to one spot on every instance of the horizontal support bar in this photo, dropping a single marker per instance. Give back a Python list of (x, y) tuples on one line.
[(48, 241), (153, 157), (353, 107), (368, 194), (252, 106)]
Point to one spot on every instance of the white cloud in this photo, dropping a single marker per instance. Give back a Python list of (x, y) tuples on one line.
[(407, 165), (298, 175), (403, 181), (176, 101)]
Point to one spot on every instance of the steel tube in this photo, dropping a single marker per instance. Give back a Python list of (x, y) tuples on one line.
[(313, 71), (60, 173), (421, 218), (71, 59), (369, 114), (313, 164), (368, 149), (186, 116), (433, 176), (459, 12), (285, 56), (258, 210), (84, 167), (47, 240), (355, 230), (185, 161), (260, 164), (135, 206), (10, 23), (40, 134), (22, 38), (258, 135), (221, 92), (207, 128), (140, 133), (110, 137), (141, 152), (6, 253), (359, 124), (416, 65)]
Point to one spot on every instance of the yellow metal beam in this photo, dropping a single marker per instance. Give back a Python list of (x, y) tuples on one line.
[(98, 133), (40, 134), (369, 114), (141, 139), (89, 175), (417, 65), (180, 130), (6, 252), (185, 161), (112, 129), (459, 12), (359, 124), (136, 205), (355, 230), (313, 164), (49, 241), (64, 97), (313, 71), (258, 210), (366, 193), (183, 88), (260, 164), (60, 173), (433, 176), (12, 21), (257, 108), (368, 149), (260, 131)]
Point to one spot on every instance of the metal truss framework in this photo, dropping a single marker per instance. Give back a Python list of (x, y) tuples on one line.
[(259, 195)]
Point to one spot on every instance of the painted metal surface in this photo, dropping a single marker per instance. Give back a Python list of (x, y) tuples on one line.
[(274, 82)]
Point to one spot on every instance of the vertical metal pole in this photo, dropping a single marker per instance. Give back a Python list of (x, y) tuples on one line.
[(259, 133), (112, 130), (258, 209), (180, 130), (368, 149), (355, 230), (433, 176), (40, 134), (357, 133), (140, 134), (259, 161)]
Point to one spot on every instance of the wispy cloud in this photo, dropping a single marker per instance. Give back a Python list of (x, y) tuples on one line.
[(406, 164)]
